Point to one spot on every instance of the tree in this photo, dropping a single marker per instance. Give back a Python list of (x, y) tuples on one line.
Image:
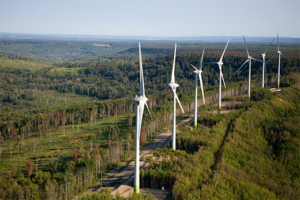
[(29, 169), (52, 159), (130, 121), (14, 133), (63, 123), (90, 122), (34, 144), (108, 110), (8, 175), (114, 133), (58, 156), (98, 160), (75, 156), (92, 138), (78, 122), (142, 135), (1, 143), (99, 133), (56, 121)]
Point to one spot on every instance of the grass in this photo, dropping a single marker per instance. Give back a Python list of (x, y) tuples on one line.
[(61, 70), (46, 99), (23, 64), (66, 143), (54, 98)]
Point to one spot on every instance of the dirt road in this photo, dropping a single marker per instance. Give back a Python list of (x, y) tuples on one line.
[(122, 181)]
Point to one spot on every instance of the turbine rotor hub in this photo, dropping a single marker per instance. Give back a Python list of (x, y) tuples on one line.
[(199, 71), (138, 99), (143, 98), (173, 85)]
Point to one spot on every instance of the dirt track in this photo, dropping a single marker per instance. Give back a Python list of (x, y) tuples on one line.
[(124, 180)]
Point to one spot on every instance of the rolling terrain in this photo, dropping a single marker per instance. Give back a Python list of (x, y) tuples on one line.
[(73, 121)]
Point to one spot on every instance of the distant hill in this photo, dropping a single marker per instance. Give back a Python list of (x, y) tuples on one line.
[(60, 50), (213, 39)]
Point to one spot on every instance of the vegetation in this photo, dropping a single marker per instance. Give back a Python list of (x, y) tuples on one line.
[(252, 153), (106, 194), (64, 124), (60, 50)]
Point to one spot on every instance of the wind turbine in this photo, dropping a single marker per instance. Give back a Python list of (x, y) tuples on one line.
[(173, 85), (249, 58), (264, 64), (220, 63), (278, 53), (198, 72), (140, 101)]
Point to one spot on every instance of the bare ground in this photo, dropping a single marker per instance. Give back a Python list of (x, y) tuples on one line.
[(123, 181)]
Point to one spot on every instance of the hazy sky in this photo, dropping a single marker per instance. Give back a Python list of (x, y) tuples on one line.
[(152, 18)]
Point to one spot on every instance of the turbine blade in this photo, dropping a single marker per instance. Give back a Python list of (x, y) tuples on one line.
[(246, 46), (173, 68), (148, 110), (286, 57), (224, 50), (201, 84), (241, 66), (272, 57), (201, 61), (166, 88), (269, 46), (223, 79), (176, 97), (256, 59), (211, 62), (142, 87), (194, 67), (266, 69), (141, 111), (277, 42), (255, 53)]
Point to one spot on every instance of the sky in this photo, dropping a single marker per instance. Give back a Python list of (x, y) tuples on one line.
[(152, 18)]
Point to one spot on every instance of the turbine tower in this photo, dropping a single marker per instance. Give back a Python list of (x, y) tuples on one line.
[(249, 58), (278, 53), (198, 72), (140, 101), (173, 85), (264, 64), (220, 63)]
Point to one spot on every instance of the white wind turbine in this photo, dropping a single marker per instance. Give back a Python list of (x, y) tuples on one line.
[(198, 72), (264, 64), (140, 101), (220, 63), (278, 53), (249, 58), (173, 87)]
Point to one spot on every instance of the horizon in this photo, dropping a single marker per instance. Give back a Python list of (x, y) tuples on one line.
[(184, 36), (152, 18), (148, 39)]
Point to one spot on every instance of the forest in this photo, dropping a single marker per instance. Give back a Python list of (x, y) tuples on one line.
[(249, 153), (63, 125)]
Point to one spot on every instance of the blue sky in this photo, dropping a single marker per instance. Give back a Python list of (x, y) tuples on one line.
[(152, 18)]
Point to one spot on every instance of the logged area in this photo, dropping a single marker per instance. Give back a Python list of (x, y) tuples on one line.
[(68, 127)]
